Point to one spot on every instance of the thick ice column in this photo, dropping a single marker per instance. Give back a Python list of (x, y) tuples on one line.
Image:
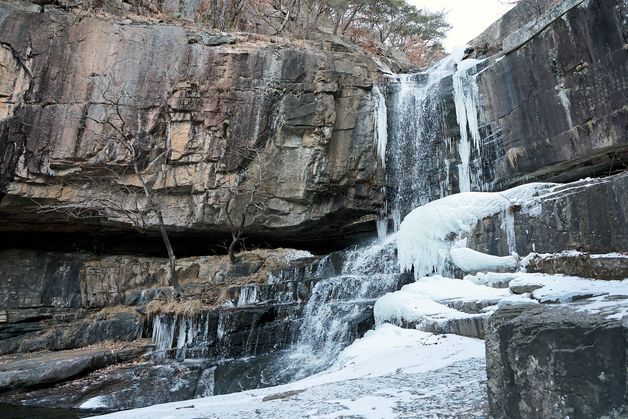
[(466, 101)]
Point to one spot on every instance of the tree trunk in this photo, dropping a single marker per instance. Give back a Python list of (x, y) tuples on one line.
[(172, 262), (235, 238)]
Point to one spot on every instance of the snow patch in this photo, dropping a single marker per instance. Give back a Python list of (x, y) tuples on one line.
[(98, 402), (491, 279)]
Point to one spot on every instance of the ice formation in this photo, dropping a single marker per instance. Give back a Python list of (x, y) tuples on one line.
[(466, 101), (424, 238), (381, 125), (469, 260)]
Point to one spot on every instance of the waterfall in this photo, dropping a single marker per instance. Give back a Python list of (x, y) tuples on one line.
[(340, 308), (416, 130), (327, 304)]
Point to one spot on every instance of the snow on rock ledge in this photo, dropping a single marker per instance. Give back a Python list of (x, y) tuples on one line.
[(442, 305), (469, 260), (424, 237)]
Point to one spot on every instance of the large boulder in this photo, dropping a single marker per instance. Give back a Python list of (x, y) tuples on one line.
[(552, 361)]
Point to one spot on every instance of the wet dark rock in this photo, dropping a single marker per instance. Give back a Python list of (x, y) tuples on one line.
[(50, 368), (472, 327), (557, 102), (123, 327), (141, 297), (550, 361), (252, 330), (612, 266), (244, 268), (53, 280), (124, 386), (583, 216)]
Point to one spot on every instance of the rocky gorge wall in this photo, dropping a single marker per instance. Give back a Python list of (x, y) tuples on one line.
[(206, 112), (212, 114), (542, 99)]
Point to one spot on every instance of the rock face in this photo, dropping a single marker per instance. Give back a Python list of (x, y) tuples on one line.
[(585, 215), (208, 115), (547, 362), (50, 368), (554, 108), (549, 108), (612, 266), (99, 299)]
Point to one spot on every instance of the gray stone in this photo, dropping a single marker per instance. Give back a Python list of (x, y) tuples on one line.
[(550, 362), (557, 101), (124, 386), (51, 368), (612, 266), (586, 216)]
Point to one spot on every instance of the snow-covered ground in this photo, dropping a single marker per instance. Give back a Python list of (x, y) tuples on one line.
[(390, 372)]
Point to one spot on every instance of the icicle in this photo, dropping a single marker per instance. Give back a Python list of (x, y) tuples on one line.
[(381, 125), (163, 331), (248, 295), (466, 102)]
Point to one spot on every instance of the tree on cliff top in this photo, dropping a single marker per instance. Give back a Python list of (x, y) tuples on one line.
[(376, 25)]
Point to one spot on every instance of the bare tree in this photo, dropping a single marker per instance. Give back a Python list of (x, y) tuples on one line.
[(533, 8), (250, 193), (104, 191)]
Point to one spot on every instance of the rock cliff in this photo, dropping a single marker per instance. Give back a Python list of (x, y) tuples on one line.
[(206, 113)]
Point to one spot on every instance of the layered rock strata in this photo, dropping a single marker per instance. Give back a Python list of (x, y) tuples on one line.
[(212, 119)]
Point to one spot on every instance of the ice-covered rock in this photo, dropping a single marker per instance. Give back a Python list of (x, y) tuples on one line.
[(469, 260), (425, 236)]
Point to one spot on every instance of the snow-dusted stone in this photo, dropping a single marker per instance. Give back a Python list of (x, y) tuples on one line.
[(469, 260), (565, 289), (491, 279), (557, 361), (377, 376), (589, 214), (441, 305), (600, 266)]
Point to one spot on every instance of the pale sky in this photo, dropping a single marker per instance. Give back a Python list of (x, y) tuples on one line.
[(468, 18)]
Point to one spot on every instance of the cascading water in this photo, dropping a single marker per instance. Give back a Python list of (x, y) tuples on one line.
[(341, 305), (416, 126), (338, 310)]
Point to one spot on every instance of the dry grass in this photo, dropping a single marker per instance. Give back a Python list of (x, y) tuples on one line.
[(185, 308), (106, 313)]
